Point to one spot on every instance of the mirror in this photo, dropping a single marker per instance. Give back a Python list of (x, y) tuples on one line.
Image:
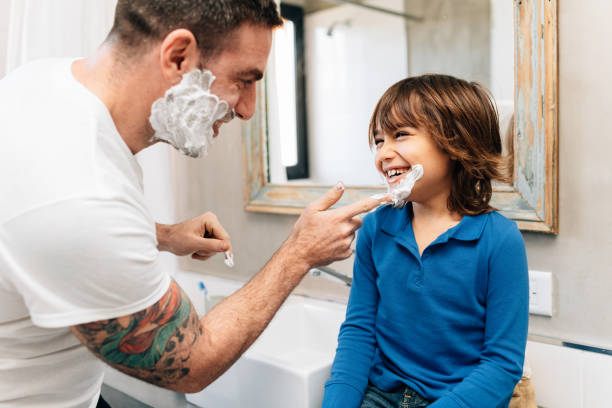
[(334, 59)]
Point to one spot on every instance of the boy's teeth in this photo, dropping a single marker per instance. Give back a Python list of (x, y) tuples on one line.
[(392, 173)]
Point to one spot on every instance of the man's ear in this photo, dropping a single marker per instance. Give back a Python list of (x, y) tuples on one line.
[(178, 55)]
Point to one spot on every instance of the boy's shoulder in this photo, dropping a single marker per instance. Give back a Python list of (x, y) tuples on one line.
[(499, 220), (499, 226)]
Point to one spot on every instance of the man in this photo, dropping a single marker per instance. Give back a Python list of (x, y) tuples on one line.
[(79, 276)]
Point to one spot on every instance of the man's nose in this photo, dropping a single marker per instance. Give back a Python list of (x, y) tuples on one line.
[(245, 108)]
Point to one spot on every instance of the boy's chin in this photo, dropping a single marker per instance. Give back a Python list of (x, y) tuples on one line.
[(399, 199)]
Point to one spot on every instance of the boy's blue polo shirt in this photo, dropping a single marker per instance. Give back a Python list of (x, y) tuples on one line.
[(451, 324)]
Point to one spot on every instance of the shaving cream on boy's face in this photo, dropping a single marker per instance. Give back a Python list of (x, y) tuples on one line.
[(186, 115), (401, 191)]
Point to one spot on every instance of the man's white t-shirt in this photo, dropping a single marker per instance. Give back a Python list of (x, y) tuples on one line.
[(77, 243)]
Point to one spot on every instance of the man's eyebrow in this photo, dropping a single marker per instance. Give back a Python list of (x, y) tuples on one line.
[(254, 74)]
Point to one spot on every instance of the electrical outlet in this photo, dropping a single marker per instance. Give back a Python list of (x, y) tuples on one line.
[(540, 293)]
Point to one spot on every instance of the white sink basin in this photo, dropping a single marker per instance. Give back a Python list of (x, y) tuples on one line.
[(287, 366)]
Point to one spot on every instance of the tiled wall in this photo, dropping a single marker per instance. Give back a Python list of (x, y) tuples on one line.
[(569, 378)]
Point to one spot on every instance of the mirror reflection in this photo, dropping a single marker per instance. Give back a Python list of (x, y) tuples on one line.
[(334, 59)]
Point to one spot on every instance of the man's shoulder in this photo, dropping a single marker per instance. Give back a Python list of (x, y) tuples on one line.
[(60, 142), (34, 72)]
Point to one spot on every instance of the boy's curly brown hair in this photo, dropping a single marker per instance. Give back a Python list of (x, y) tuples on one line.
[(462, 119)]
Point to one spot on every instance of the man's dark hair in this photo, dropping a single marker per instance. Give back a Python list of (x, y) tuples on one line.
[(140, 22)]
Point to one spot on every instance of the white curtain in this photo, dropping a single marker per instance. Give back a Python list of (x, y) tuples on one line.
[(56, 28)]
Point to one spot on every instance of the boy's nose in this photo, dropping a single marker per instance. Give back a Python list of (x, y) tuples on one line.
[(387, 151)]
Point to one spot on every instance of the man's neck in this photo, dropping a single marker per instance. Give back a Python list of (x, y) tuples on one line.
[(127, 91)]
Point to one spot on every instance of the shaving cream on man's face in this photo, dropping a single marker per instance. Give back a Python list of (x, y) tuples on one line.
[(402, 190), (185, 116)]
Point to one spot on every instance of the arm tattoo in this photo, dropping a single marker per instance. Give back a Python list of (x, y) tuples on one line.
[(153, 344)]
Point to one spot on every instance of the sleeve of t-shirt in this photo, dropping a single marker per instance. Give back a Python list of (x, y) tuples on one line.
[(84, 259), (356, 341), (491, 383)]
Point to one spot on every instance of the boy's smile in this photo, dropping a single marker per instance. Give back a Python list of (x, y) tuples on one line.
[(395, 174)]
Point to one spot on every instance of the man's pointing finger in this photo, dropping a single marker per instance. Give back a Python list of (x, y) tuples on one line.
[(363, 205)]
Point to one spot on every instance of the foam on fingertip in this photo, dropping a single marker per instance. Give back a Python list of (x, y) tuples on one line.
[(229, 259)]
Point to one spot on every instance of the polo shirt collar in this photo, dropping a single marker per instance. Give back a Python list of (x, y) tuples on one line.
[(399, 220)]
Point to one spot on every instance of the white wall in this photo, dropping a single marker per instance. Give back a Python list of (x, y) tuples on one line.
[(502, 50), (566, 377), (502, 65), (4, 20), (59, 28), (155, 163)]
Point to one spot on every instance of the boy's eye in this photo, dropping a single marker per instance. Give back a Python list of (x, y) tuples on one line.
[(377, 142), (401, 134)]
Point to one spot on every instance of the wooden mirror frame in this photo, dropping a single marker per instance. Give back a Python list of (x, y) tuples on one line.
[(532, 200)]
